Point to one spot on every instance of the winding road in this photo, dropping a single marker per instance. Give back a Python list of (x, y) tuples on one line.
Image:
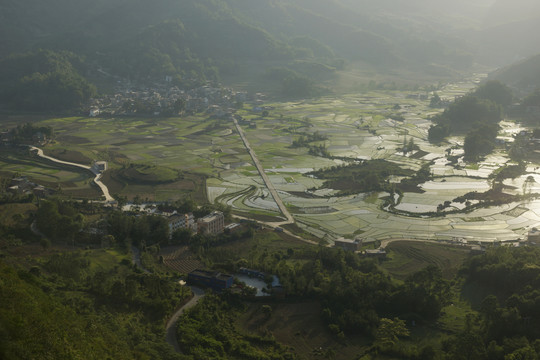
[(97, 178), (170, 328), (267, 182)]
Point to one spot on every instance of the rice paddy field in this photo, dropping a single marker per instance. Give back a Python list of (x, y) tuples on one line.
[(354, 126)]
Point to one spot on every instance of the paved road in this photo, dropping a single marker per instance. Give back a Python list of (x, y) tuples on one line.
[(268, 183), (386, 242), (171, 324), (97, 179), (273, 224)]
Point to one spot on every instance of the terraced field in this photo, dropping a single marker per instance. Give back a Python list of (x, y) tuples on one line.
[(180, 259)]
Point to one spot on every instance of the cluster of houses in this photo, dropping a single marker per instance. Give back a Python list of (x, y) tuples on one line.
[(355, 245), (5, 138), (38, 138), (211, 224), (166, 100), (23, 186)]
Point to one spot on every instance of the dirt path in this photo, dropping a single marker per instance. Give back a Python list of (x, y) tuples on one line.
[(97, 178), (170, 329), (136, 259), (267, 182)]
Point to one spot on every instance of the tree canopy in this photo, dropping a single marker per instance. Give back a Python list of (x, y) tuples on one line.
[(44, 80), (496, 92)]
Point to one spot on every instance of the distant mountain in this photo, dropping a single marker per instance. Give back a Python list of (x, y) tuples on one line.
[(510, 32), (511, 11)]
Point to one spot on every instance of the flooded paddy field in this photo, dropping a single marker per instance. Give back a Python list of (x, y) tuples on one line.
[(363, 126)]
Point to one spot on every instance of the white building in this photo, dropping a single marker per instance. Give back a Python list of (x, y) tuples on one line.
[(181, 221)]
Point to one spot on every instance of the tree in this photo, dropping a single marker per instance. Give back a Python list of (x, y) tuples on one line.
[(495, 91), (437, 133), (527, 185), (469, 112), (480, 142), (389, 331), (298, 86), (44, 80), (435, 100)]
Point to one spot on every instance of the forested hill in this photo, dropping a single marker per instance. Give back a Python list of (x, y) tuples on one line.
[(523, 75), (200, 38), (195, 41)]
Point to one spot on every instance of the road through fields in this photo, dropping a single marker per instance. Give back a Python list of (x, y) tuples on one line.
[(267, 182)]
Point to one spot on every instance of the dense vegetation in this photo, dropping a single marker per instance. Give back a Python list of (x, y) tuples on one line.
[(209, 332), (522, 75), (357, 297), (27, 133), (44, 80), (103, 307), (508, 320), (371, 175), (198, 41), (58, 220), (533, 99), (69, 307), (477, 114)]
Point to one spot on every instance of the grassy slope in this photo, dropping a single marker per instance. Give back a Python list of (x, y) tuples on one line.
[(407, 257)]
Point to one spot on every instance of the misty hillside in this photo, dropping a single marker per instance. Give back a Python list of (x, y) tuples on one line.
[(200, 40), (509, 32), (523, 76)]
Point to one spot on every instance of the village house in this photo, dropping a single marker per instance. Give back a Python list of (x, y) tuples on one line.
[(93, 112), (100, 166), (181, 221)]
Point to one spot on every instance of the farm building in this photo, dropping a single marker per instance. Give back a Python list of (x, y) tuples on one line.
[(211, 279), (348, 244)]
